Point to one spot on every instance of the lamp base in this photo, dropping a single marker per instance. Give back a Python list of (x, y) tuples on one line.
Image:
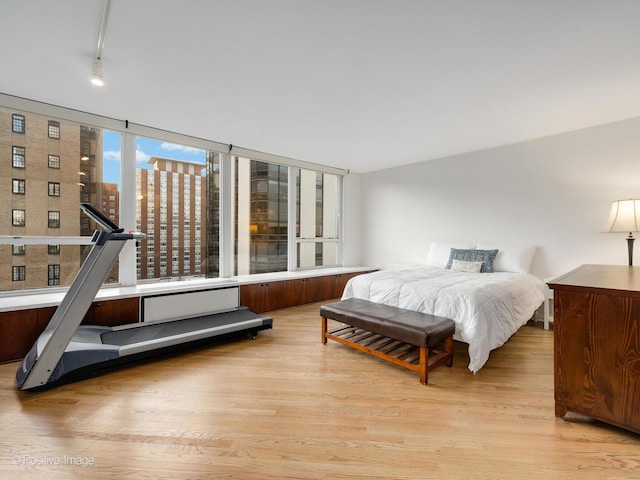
[(630, 241)]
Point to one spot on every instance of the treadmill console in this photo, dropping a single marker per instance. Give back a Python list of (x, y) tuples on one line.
[(100, 218)]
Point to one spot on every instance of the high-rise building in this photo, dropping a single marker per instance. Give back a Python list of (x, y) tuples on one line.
[(52, 165), (212, 259), (110, 202), (261, 223), (110, 206), (172, 212)]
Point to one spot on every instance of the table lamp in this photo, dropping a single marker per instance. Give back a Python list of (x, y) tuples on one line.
[(625, 218)]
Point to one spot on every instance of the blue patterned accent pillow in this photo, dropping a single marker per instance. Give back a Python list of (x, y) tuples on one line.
[(487, 258)]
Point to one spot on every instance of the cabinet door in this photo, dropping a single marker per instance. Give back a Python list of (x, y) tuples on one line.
[(267, 296), (252, 296), (114, 312), (18, 332), (295, 292), (317, 289), (275, 296), (44, 316)]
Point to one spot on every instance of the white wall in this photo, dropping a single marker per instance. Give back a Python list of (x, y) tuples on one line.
[(554, 192)]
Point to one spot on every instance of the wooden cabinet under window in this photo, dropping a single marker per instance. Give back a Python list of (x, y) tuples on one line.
[(20, 329), (597, 344), (264, 296), (111, 313), (268, 296)]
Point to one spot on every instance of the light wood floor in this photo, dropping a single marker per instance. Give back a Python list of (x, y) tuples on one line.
[(287, 407)]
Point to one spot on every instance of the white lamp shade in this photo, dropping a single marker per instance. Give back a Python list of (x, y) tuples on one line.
[(624, 216)]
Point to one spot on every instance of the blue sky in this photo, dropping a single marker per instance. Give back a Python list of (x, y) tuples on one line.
[(145, 149)]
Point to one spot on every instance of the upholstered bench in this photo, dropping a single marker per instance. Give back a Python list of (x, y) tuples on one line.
[(414, 340)]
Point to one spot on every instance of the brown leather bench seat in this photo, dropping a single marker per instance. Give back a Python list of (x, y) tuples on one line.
[(414, 340)]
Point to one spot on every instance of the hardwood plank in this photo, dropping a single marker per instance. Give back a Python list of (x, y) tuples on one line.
[(285, 406)]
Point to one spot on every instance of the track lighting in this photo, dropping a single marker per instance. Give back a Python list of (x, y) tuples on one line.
[(96, 78)]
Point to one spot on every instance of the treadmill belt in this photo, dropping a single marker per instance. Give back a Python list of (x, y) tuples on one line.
[(153, 331)]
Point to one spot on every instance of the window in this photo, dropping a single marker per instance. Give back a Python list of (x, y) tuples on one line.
[(18, 218), (18, 186), (54, 219), (19, 273), (172, 194), (18, 249), (54, 161), (317, 214), (177, 201), (261, 215), (53, 275), (54, 129), (17, 123), (19, 157), (54, 189)]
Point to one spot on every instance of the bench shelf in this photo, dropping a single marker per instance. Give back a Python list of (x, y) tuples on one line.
[(417, 359)]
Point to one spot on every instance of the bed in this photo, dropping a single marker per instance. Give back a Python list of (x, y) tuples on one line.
[(487, 308)]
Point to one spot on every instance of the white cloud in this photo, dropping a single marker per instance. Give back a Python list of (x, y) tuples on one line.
[(171, 147), (141, 156), (116, 155), (111, 155)]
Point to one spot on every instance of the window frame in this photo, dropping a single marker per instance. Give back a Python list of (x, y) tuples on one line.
[(53, 129), (53, 189), (19, 273), (18, 217), (20, 157), (298, 240), (53, 274), (128, 204), (18, 186), (18, 119), (53, 161), (53, 219)]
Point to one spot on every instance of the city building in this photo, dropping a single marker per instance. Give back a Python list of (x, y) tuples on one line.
[(172, 199), (53, 165)]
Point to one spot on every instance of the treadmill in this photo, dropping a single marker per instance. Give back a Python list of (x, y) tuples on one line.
[(67, 351)]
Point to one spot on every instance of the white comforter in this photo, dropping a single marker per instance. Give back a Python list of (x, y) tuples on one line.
[(487, 308)]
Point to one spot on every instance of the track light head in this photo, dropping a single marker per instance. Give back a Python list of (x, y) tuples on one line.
[(96, 78)]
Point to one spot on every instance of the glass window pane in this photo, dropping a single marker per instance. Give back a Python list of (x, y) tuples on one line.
[(317, 217), (17, 124), (260, 213), (172, 192), (317, 254), (54, 129), (19, 157), (44, 202)]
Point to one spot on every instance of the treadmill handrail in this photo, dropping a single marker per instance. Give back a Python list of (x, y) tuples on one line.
[(100, 218)]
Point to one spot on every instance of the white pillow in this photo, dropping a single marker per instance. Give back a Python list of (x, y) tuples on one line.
[(463, 266), (511, 258), (439, 252)]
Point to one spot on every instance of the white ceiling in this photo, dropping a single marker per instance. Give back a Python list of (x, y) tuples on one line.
[(357, 84)]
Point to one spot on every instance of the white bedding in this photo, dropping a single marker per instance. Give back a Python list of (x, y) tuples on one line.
[(487, 308)]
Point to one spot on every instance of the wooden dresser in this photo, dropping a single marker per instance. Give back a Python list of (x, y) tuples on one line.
[(597, 344)]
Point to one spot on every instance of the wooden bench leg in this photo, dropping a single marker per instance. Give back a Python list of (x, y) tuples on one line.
[(448, 347), (324, 330), (424, 365)]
